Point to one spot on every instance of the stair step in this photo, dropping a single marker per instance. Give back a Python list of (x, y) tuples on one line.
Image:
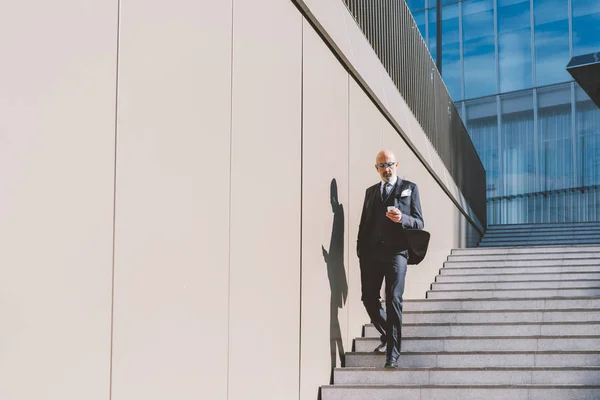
[(483, 359), (456, 392), (501, 316), (523, 263), (561, 276), (519, 239), (538, 243), (521, 257), (488, 343), (585, 328), (469, 376), (514, 285), (543, 227), (526, 250), (592, 229), (561, 225), (474, 270), (501, 304), (538, 238), (522, 240), (542, 235), (565, 225), (511, 293)]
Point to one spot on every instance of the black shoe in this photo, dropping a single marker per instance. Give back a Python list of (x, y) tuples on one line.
[(391, 364), (381, 348)]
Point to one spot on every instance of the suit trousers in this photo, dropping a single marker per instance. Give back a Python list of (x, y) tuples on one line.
[(373, 270)]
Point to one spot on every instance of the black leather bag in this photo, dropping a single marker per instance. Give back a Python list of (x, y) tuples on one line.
[(418, 241)]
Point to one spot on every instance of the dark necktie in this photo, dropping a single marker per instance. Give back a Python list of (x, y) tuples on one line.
[(386, 191)]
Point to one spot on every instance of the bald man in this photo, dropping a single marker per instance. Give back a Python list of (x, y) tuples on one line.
[(391, 206)]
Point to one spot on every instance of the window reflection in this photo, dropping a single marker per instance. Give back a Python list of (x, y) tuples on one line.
[(556, 150), (420, 21), (588, 143), (478, 48), (518, 159), (416, 5), (432, 31), (514, 44), (482, 125), (551, 41), (451, 51), (586, 26), (546, 174)]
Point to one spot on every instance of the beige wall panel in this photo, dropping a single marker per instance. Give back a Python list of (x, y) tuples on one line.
[(324, 214), (172, 208), (213, 154), (332, 15), (57, 117), (266, 194), (439, 214), (365, 141)]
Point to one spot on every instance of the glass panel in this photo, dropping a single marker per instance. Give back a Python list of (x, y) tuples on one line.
[(556, 149), (420, 21), (588, 143), (483, 129), (415, 5), (553, 195), (478, 48), (551, 41), (432, 32), (586, 26), (518, 157), (514, 44), (451, 51)]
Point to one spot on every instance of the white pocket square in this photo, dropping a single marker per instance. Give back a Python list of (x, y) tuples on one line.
[(405, 193)]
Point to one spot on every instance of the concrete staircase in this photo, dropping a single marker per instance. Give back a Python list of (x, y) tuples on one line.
[(542, 234), (501, 323)]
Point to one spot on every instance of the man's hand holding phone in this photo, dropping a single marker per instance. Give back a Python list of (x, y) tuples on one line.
[(394, 214)]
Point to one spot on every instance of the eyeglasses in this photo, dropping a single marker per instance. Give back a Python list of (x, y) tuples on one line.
[(385, 165)]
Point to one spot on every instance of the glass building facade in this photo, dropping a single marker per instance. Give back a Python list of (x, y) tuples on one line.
[(536, 131)]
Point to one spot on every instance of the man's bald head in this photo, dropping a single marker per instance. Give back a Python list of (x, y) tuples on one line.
[(385, 156), (386, 165)]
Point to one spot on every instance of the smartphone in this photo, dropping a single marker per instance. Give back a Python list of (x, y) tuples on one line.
[(390, 208)]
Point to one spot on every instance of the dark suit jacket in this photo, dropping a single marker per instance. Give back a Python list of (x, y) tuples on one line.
[(409, 229)]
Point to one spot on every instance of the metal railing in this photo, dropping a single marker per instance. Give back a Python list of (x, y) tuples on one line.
[(390, 28)]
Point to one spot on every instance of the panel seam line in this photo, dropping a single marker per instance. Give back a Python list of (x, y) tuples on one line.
[(301, 196), (114, 221), (228, 360)]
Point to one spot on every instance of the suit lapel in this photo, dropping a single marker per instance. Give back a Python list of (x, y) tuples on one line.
[(397, 191), (398, 187)]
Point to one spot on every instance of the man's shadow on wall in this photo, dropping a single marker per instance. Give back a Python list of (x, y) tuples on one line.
[(334, 259)]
